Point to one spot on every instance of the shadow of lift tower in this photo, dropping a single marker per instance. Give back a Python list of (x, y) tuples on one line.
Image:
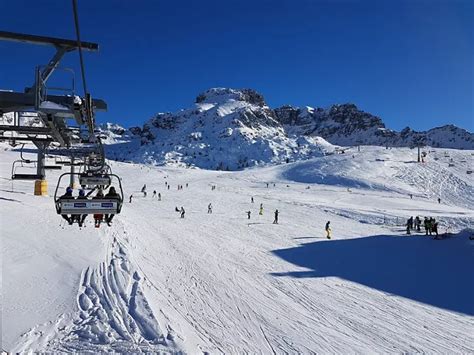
[(52, 110)]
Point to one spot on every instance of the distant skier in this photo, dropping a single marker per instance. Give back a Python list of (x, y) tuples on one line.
[(434, 227), (426, 224), (418, 224), (130, 199), (275, 221), (159, 196), (186, 184), (209, 208), (408, 226), (439, 200), (261, 210), (182, 211), (411, 196), (248, 214), (144, 188), (410, 222), (154, 194), (168, 187), (267, 184), (328, 230), (251, 199)]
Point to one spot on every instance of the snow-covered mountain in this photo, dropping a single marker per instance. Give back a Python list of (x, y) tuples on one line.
[(225, 130), (347, 125), (228, 129)]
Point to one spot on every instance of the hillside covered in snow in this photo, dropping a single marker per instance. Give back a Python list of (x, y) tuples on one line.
[(229, 129), (229, 282)]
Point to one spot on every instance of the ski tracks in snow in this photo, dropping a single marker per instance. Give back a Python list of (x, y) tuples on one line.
[(113, 313)]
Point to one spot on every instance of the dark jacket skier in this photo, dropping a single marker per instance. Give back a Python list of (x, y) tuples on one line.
[(328, 230), (275, 221), (67, 195)]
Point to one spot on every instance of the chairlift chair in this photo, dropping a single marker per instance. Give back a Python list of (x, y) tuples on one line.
[(91, 182), (22, 163)]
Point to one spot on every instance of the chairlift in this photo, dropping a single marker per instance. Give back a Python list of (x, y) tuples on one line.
[(91, 182), (23, 164)]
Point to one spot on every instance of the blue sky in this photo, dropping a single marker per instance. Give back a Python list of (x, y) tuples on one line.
[(410, 62)]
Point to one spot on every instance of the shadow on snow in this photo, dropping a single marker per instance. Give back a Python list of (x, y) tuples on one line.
[(434, 272)]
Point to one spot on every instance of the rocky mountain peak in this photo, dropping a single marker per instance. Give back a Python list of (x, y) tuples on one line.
[(222, 95)]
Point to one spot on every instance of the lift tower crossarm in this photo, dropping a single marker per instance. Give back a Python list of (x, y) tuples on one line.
[(53, 41)]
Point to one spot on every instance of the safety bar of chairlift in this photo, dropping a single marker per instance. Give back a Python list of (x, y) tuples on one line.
[(88, 206)]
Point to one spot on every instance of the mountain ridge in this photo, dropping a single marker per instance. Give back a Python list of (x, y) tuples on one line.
[(233, 129)]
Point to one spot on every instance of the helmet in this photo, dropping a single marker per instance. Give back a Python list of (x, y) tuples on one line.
[(69, 189), (82, 192)]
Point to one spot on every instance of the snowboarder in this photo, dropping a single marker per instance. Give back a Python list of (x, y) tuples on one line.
[(130, 199), (328, 230), (248, 214), (159, 196), (209, 208), (182, 212), (275, 221)]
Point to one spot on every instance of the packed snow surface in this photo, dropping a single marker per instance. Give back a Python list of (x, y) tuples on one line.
[(222, 283)]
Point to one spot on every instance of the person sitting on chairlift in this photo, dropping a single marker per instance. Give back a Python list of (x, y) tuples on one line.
[(67, 196), (98, 217), (80, 218), (112, 194)]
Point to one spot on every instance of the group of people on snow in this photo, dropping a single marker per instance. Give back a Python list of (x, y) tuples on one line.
[(430, 225)]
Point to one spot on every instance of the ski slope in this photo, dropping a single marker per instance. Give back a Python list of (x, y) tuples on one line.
[(220, 283)]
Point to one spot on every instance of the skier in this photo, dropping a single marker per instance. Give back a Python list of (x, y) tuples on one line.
[(410, 222), (439, 200), (261, 209), (182, 212), (186, 184), (159, 196), (418, 224), (426, 224), (276, 217), (251, 199), (144, 188), (168, 186), (408, 226), (328, 230), (130, 199), (248, 214), (176, 209), (98, 216), (209, 208), (434, 227), (154, 193), (430, 225), (411, 196), (267, 184)]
